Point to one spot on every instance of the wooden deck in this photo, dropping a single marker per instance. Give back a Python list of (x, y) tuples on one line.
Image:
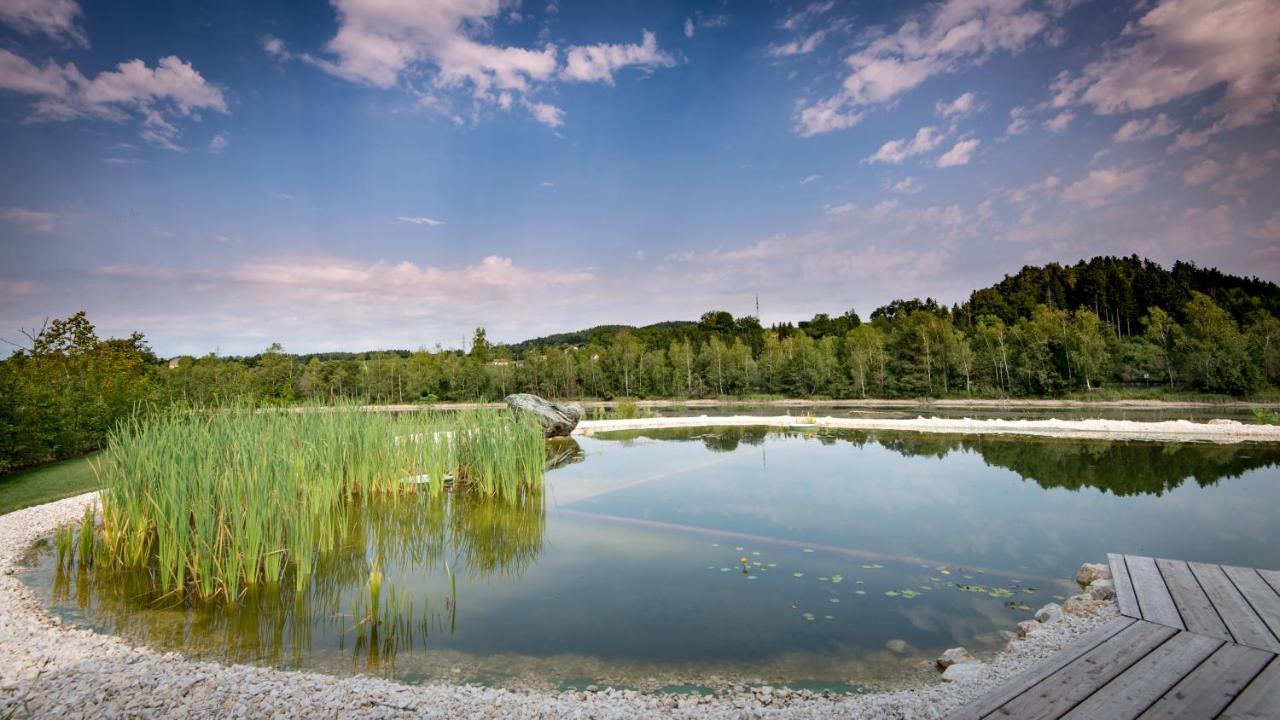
[(1196, 641)]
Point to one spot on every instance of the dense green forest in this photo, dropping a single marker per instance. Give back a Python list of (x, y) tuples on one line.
[(1046, 331)]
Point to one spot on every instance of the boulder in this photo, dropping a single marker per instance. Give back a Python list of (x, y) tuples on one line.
[(1050, 613), (1102, 590), (1092, 571), (1081, 605), (557, 420), (897, 645), (965, 672), (954, 656), (1026, 627)]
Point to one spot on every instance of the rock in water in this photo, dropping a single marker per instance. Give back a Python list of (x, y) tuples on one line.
[(954, 656), (557, 420)]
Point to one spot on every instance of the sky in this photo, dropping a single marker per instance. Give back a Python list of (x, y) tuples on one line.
[(365, 174)]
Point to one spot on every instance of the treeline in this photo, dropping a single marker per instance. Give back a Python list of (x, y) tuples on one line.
[(1047, 331)]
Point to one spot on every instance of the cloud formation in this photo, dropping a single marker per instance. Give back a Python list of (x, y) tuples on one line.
[(895, 151), (598, 63), (37, 220), (157, 96), (57, 19)]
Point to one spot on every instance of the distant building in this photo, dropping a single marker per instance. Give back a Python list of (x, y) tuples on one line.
[(174, 363)]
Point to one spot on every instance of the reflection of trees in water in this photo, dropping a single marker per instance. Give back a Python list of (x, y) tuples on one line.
[(477, 536), (1117, 467)]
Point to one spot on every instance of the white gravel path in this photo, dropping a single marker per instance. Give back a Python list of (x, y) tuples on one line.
[(1217, 431), (48, 669)]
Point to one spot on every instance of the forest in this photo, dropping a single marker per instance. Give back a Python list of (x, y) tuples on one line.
[(1105, 324)]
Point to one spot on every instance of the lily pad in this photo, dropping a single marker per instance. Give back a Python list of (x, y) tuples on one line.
[(892, 593)]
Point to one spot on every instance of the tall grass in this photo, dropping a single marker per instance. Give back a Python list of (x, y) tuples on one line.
[(215, 501)]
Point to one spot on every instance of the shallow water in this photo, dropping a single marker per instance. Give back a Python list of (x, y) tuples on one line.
[(663, 558)]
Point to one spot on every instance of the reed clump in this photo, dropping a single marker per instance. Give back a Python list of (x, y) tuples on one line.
[(213, 501)]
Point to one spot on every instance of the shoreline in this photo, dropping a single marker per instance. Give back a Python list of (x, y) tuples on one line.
[(1228, 431), (919, 403), (63, 670)]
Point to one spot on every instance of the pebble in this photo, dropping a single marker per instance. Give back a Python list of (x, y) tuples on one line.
[(58, 670)]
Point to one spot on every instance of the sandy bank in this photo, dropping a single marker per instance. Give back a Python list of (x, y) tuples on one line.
[(1221, 431)]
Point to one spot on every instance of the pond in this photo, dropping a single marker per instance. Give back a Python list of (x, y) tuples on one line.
[(707, 557)]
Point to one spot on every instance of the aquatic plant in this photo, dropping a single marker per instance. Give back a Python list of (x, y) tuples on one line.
[(216, 500)]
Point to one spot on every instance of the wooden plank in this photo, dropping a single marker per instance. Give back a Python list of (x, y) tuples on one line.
[(1154, 599), (1239, 617), (1193, 605), (1054, 696), (1210, 687), (1135, 689), (1272, 577), (1124, 586), (1261, 699), (988, 703), (1261, 597)]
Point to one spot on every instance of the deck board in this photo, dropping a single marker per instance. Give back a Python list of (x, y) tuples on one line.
[(1193, 604), (1237, 614), (1264, 600), (1057, 694), (1261, 699), (1154, 599), (1125, 598), (1138, 687), (1210, 687), (990, 702)]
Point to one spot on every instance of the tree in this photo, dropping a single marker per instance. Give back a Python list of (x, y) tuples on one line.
[(1214, 352), (1087, 346), (1163, 333), (1264, 342)]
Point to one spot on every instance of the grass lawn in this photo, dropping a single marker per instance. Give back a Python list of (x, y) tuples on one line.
[(46, 483)]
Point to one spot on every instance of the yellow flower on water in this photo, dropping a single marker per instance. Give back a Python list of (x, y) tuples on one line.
[(744, 560)]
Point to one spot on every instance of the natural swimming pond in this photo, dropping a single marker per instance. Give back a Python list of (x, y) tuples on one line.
[(714, 556)]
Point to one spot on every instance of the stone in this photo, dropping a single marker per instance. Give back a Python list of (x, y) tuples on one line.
[(1050, 613), (954, 656), (965, 672), (1081, 605), (898, 646), (1102, 590), (1224, 421), (557, 420), (1092, 571), (1026, 627)]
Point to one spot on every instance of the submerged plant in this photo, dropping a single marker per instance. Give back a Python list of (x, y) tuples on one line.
[(214, 501)]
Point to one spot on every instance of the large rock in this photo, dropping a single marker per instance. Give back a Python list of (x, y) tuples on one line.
[(965, 672), (1092, 571), (954, 656), (1050, 613), (557, 420), (1102, 590)]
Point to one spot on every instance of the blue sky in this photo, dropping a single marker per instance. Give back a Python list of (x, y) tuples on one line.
[(388, 173)]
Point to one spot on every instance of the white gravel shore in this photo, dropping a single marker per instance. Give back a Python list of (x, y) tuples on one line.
[(48, 669), (1217, 431)]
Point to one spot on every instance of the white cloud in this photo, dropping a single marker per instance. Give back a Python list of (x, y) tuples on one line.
[(58, 19), (1018, 124), (1021, 195), (420, 220), (545, 113), (799, 46), (1138, 130), (274, 47), (598, 63), (688, 27), (966, 104), (158, 96), (824, 117), (959, 154), (1182, 47), (895, 151), (1201, 173), (37, 220), (1059, 122), (810, 11), (907, 186), (219, 143), (1268, 229), (944, 38), (809, 179), (1100, 187), (1246, 168), (546, 184)]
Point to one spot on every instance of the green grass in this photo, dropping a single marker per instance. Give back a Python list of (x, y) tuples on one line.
[(213, 502), (46, 483)]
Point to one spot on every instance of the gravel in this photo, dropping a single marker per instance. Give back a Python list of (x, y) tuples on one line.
[(49, 669), (1217, 431)]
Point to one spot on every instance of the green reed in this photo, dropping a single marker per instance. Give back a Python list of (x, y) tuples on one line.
[(215, 501)]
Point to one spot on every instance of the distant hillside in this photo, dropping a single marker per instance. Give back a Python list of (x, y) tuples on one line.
[(604, 334)]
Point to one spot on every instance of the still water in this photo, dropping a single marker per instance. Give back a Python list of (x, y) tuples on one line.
[(716, 556)]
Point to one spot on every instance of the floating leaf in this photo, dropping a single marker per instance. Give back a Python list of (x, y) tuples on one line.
[(823, 579), (756, 552), (892, 593), (724, 569), (808, 550), (751, 577), (829, 617), (808, 616), (859, 592), (834, 600)]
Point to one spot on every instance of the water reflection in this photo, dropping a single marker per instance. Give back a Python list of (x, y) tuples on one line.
[(1117, 467), (416, 548)]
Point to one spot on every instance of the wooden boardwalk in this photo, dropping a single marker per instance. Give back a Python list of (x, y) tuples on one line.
[(1195, 641)]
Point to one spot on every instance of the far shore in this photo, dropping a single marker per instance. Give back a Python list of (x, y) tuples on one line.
[(920, 404)]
